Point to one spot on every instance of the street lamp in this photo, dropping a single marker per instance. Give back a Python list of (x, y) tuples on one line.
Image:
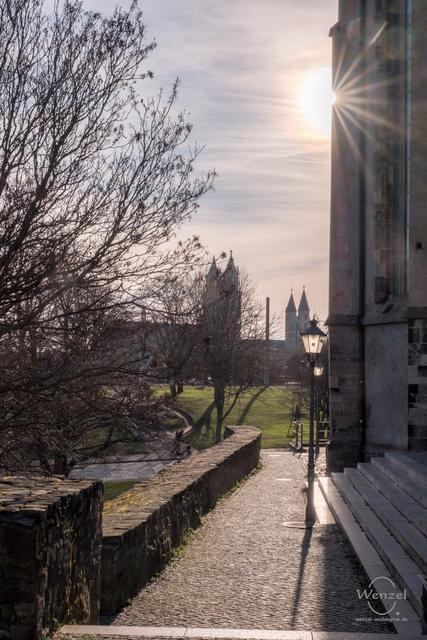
[(313, 340)]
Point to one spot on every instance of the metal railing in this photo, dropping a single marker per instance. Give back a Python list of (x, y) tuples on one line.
[(297, 441), (321, 436)]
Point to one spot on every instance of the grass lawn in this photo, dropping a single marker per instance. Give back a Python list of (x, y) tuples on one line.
[(113, 488), (268, 409)]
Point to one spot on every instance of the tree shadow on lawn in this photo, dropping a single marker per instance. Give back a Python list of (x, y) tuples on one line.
[(203, 427), (248, 406), (205, 419)]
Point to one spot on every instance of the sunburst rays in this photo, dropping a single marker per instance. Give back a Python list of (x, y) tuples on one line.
[(362, 89)]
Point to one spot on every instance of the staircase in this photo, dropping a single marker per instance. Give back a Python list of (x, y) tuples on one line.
[(382, 508)]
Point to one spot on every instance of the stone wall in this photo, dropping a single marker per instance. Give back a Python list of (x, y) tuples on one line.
[(417, 389), (386, 383), (378, 251), (142, 527), (345, 344), (50, 544), (417, 303)]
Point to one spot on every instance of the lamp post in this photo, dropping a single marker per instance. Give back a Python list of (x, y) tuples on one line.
[(313, 339), (318, 371)]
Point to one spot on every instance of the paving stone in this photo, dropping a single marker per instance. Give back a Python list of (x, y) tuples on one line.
[(320, 635), (244, 634), (243, 569), (108, 631), (248, 634)]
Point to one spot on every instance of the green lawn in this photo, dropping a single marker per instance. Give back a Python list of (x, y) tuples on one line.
[(268, 409), (113, 488)]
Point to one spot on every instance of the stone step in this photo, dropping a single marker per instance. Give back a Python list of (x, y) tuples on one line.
[(369, 480), (407, 462), (383, 473), (90, 632), (402, 479), (402, 568), (370, 559)]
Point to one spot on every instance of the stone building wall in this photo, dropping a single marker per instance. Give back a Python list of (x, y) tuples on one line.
[(417, 300), (142, 527), (417, 390), (378, 254), (50, 544), (345, 339)]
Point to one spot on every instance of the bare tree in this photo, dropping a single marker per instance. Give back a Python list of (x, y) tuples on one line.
[(232, 340), (173, 331), (93, 186)]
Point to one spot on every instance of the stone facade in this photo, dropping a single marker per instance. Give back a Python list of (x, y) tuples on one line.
[(142, 527), (378, 247), (417, 391), (50, 545)]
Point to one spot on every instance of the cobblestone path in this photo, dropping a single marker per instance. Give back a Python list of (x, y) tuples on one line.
[(245, 569)]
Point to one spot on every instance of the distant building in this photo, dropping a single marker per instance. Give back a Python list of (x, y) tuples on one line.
[(378, 243), (296, 321), (223, 287)]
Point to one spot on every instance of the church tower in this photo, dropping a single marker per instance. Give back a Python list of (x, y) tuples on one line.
[(303, 312), (212, 279), (291, 330), (230, 287), (230, 276), (223, 289)]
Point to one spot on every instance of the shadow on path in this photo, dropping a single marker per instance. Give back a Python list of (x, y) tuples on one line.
[(305, 547)]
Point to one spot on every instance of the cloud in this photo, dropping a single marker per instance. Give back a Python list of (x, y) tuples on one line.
[(242, 64)]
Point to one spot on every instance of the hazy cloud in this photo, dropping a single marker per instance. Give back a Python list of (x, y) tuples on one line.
[(242, 64)]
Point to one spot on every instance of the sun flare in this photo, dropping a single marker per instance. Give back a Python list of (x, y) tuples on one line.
[(317, 99)]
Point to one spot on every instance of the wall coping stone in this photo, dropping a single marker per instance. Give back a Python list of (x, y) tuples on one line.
[(33, 496), (148, 496)]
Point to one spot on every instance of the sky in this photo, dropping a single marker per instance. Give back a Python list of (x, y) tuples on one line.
[(253, 78)]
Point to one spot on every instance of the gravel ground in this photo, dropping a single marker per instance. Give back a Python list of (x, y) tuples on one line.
[(320, 461), (244, 568)]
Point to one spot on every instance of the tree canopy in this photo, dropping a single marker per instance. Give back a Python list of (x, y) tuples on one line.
[(95, 180)]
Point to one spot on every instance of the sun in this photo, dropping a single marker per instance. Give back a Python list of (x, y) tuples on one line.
[(316, 100)]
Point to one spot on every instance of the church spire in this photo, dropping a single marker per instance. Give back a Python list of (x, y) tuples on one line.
[(230, 264), (291, 308), (303, 312), (231, 273), (303, 305), (213, 271), (291, 327)]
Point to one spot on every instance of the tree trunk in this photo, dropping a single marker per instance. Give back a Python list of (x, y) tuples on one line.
[(219, 405), (61, 464)]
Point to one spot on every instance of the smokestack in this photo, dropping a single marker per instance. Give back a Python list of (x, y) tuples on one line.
[(267, 343)]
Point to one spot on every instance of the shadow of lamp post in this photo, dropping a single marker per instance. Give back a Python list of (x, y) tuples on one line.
[(313, 339)]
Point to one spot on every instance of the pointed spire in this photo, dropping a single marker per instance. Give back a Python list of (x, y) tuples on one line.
[(291, 308), (303, 305), (230, 264), (213, 270)]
